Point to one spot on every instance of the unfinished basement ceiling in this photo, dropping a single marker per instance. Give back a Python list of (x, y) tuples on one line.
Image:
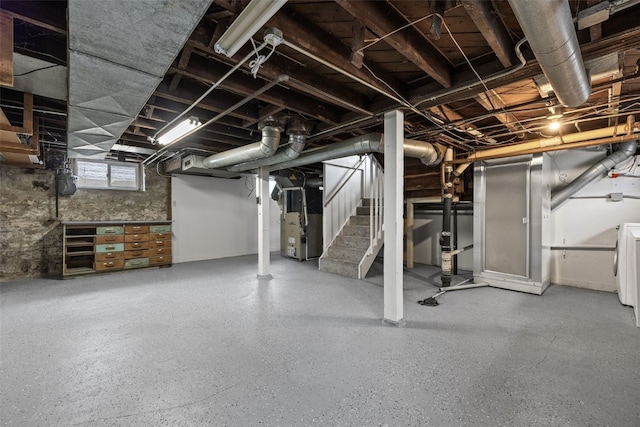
[(443, 68)]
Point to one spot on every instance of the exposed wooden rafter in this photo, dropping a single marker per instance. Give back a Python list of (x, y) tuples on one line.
[(493, 30), (386, 22)]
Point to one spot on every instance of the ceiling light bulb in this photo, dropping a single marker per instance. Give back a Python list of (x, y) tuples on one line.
[(180, 130), (554, 125)]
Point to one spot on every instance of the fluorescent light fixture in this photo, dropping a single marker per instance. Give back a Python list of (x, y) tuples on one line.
[(181, 129), (250, 20)]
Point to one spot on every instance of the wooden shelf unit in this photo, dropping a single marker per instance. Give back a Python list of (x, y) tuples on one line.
[(96, 247)]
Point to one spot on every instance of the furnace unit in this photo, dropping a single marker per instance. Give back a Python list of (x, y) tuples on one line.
[(301, 227)]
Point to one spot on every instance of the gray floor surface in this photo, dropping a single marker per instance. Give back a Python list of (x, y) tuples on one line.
[(206, 343)]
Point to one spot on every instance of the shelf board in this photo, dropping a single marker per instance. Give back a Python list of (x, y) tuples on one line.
[(75, 236), (78, 270), (80, 253), (81, 243)]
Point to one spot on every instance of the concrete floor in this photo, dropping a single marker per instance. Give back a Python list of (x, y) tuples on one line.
[(205, 343)]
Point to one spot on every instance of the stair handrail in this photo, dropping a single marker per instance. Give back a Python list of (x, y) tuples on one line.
[(344, 181), (376, 192)]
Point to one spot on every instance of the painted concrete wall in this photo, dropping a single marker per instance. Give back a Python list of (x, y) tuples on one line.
[(589, 219), (427, 229), (30, 234), (217, 218)]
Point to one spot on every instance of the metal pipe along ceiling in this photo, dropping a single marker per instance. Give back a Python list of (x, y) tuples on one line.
[(626, 150), (291, 152), (372, 143), (548, 26), (267, 146)]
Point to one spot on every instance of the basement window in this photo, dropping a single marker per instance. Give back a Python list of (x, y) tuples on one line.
[(108, 175)]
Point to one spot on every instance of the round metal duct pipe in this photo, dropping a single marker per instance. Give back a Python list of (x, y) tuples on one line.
[(548, 26), (298, 131), (267, 146), (372, 143), (626, 150)]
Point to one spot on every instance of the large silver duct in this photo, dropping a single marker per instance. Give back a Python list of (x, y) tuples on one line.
[(548, 26), (627, 149), (298, 131), (119, 51), (372, 143), (267, 146)]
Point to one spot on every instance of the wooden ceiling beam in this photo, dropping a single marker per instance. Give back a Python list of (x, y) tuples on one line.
[(175, 106), (430, 95), (300, 78), (385, 21), (313, 39), (493, 102), (216, 101), (493, 30), (209, 72)]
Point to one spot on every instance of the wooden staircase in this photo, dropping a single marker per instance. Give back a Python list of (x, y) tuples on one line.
[(353, 250)]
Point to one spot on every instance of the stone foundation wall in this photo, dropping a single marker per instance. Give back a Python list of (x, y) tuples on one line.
[(30, 233)]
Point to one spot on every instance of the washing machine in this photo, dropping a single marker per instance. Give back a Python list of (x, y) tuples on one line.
[(627, 266)]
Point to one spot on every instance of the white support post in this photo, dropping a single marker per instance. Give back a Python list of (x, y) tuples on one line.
[(262, 190), (393, 220)]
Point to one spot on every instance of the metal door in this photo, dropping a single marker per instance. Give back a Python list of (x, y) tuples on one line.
[(506, 219)]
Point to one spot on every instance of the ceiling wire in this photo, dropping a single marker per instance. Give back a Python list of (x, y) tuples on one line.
[(444, 23)]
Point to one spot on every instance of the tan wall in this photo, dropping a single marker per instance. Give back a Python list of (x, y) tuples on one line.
[(30, 235)]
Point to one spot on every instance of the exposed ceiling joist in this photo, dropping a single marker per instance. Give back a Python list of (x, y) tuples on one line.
[(493, 30), (386, 22)]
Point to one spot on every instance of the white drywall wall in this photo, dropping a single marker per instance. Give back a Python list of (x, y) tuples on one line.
[(426, 237), (217, 218), (589, 219)]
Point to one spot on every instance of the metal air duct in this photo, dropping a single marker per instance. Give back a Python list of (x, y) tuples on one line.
[(372, 143), (119, 51), (298, 131), (548, 26), (267, 146), (627, 149)]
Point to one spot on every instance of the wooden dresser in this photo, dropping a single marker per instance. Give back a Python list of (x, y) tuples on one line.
[(96, 247)]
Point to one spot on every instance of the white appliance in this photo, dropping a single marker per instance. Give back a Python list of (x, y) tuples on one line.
[(627, 266)]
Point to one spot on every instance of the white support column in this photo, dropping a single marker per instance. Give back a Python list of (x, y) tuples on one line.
[(262, 192), (393, 220)]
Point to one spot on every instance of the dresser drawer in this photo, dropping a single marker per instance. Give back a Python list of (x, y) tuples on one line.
[(136, 229), (110, 247), (110, 238), (136, 237), (164, 228), (132, 246), (136, 263), (109, 230), (160, 236), (106, 256), (160, 251), (109, 265), (157, 260), (160, 244), (140, 253)]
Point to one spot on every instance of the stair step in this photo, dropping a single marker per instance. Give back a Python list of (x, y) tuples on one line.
[(346, 254), (353, 242), (367, 202), (356, 230), (359, 220), (364, 210), (343, 268)]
